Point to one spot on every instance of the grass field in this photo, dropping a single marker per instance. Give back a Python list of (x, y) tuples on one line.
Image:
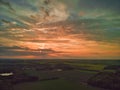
[(69, 80), (88, 66), (59, 84)]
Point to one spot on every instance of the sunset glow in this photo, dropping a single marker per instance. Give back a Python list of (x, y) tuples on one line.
[(53, 32)]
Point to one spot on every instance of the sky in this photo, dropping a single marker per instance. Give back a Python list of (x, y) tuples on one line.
[(60, 29)]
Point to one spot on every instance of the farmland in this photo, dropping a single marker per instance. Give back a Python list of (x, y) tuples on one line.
[(56, 74)]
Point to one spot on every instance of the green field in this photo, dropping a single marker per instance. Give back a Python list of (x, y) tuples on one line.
[(59, 84), (74, 79)]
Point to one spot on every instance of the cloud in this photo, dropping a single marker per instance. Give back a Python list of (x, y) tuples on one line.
[(19, 51), (5, 48), (7, 4), (52, 11), (66, 29), (10, 51)]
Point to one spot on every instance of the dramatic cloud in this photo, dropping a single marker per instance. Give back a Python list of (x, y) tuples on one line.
[(59, 29)]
